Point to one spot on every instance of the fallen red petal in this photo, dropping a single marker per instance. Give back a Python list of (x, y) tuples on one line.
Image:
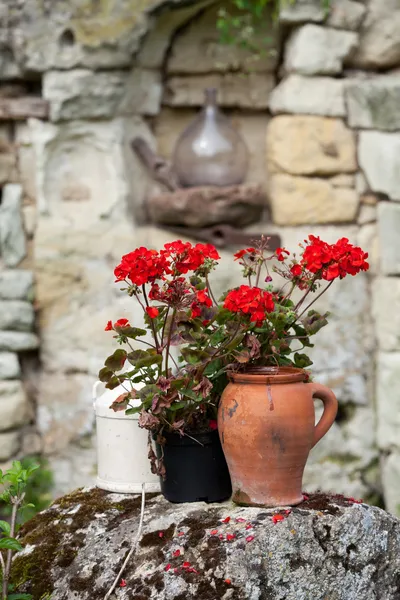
[(181, 533), (176, 570), (305, 497), (214, 532), (123, 583), (221, 537), (249, 526), (250, 538), (240, 520), (176, 553), (160, 534), (287, 512), (230, 537), (167, 567), (186, 565), (226, 520), (228, 581), (277, 518)]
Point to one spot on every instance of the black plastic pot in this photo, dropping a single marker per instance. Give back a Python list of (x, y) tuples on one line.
[(196, 470)]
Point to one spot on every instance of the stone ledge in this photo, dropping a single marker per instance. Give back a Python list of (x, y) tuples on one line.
[(327, 546)]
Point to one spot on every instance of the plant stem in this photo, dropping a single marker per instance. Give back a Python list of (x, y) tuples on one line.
[(4, 592), (210, 291), (169, 342), (151, 320), (316, 298), (300, 302)]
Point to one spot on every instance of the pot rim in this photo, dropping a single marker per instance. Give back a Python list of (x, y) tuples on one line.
[(269, 375)]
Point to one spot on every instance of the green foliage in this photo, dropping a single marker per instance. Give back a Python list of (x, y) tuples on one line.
[(244, 25)]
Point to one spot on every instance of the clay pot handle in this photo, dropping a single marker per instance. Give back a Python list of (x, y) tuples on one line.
[(330, 410)]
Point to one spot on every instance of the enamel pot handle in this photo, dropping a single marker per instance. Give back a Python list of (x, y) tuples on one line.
[(330, 410)]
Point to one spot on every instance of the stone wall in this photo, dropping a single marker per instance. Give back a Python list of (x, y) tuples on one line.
[(320, 116)]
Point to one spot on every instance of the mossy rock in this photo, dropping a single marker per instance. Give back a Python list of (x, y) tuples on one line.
[(328, 547)]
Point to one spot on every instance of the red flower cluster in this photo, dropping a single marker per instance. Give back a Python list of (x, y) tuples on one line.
[(241, 253), (186, 257), (250, 301), (142, 266), (280, 252), (333, 260), (120, 323)]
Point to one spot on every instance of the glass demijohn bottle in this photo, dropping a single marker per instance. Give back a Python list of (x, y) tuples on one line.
[(210, 151)]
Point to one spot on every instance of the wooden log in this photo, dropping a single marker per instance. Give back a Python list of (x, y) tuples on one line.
[(237, 205), (160, 169), (19, 109)]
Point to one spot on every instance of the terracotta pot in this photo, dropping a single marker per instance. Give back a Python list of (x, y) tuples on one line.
[(266, 422)]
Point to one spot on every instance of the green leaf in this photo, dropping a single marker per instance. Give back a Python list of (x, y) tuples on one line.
[(4, 526), (144, 358), (302, 360), (20, 596), (134, 411), (130, 332), (9, 543), (113, 383), (116, 361), (177, 406), (105, 374)]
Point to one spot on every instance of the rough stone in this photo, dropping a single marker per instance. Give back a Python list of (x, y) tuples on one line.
[(391, 482), (202, 207), (346, 14), (318, 146), (16, 315), (9, 444), (86, 536), (386, 296), (13, 405), (379, 46), (301, 11), (244, 90), (342, 181), (83, 94), (154, 48), (198, 49), (16, 285), (9, 366), (388, 399), (7, 162), (12, 235), (313, 50), (301, 200), (367, 239), (309, 96), (379, 157), (389, 239), (251, 126), (18, 341), (361, 183), (367, 214), (373, 103), (142, 95)]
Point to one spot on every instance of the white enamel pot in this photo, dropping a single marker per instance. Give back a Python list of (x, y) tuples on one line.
[(122, 463)]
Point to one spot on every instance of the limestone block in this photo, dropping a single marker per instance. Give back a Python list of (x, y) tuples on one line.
[(18, 341), (373, 103), (309, 95), (16, 285), (9, 366), (301, 200), (346, 14), (386, 299), (361, 183), (251, 126), (379, 157), (379, 45), (13, 405), (12, 235), (83, 94), (313, 50), (162, 28), (9, 444), (325, 544), (343, 181), (307, 145), (68, 416), (367, 214), (142, 94), (390, 469), (367, 239), (16, 315), (388, 399), (302, 11), (244, 90), (8, 161), (198, 49), (389, 239)]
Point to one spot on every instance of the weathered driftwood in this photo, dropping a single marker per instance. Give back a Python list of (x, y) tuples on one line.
[(17, 109), (160, 169), (237, 205)]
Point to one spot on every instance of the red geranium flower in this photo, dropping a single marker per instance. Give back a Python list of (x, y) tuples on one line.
[(142, 266), (109, 326), (296, 270), (280, 254), (152, 312), (241, 253), (250, 301), (277, 518), (122, 323)]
